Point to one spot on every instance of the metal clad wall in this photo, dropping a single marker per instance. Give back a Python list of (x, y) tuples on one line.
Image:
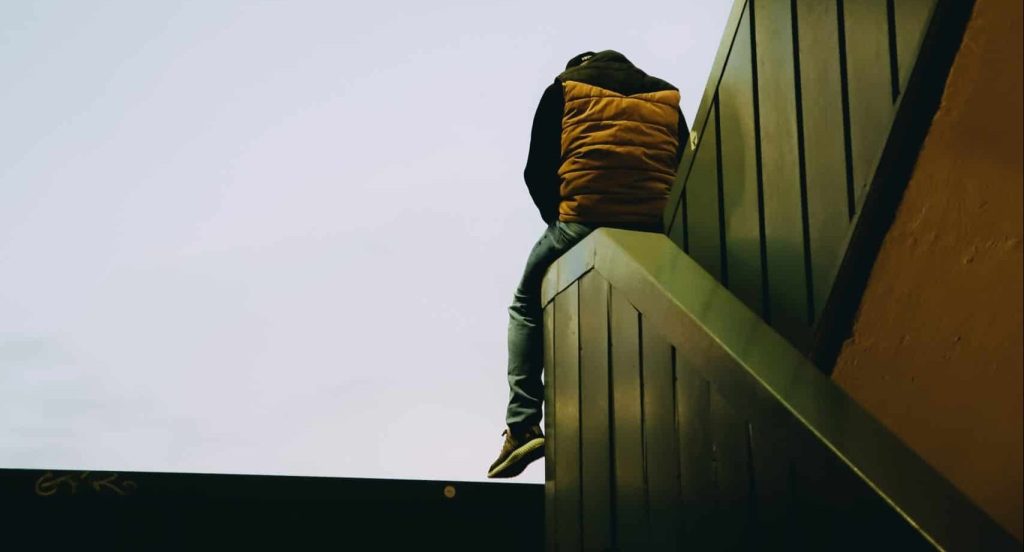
[(567, 421), (911, 18), (732, 475), (677, 229), (784, 218), (595, 423), (668, 463), (550, 490), (679, 457), (702, 204), (836, 511), (797, 114), (824, 148), (693, 410), (741, 194), (808, 477), (660, 451), (774, 519), (630, 522), (869, 85)]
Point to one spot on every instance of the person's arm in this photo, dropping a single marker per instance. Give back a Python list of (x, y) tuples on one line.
[(541, 173)]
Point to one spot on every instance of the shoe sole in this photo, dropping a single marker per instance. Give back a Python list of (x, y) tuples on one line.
[(519, 459)]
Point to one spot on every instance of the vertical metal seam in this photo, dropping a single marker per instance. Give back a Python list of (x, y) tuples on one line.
[(643, 424), (613, 498), (549, 441), (894, 62), (579, 411), (685, 221), (802, 163), (723, 254), (677, 493), (675, 208), (766, 305), (851, 207)]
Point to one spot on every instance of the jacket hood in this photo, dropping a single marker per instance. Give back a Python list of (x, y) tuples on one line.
[(609, 56)]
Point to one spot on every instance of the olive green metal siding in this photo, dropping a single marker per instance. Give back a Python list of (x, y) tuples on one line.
[(566, 432), (655, 484), (742, 197), (550, 412), (595, 414), (629, 520), (680, 420), (702, 207), (824, 148), (661, 463), (786, 145)]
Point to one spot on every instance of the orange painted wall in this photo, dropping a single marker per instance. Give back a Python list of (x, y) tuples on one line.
[(936, 350)]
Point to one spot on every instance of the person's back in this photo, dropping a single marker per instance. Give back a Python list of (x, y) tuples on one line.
[(619, 137), (604, 149), (605, 143)]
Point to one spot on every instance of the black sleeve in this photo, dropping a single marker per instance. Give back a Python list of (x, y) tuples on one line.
[(545, 156), (684, 136)]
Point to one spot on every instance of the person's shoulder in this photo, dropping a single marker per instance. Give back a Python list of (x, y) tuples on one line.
[(659, 84), (613, 71)]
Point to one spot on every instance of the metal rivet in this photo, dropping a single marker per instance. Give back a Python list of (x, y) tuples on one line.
[(449, 491)]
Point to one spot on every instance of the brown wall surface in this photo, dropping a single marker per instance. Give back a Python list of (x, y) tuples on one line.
[(936, 350)]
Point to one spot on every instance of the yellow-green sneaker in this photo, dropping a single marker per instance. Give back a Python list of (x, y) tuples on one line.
[(517, 452)]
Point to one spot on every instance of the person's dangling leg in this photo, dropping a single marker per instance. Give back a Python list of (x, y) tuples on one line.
[(524, 441)]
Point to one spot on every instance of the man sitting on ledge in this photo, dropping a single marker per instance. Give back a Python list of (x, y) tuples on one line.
[(604, 148)]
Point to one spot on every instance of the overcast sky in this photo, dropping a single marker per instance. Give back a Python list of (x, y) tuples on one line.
[(280, 237)]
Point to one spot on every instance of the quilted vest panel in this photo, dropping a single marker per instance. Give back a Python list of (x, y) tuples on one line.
[(618, 154)]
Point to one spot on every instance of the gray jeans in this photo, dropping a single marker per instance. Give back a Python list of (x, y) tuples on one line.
[(526, 324)]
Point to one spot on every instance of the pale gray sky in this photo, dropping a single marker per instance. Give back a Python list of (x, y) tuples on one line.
[(280, 237)]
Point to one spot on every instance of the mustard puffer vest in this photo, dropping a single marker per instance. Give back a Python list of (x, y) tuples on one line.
[(619, 143)]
